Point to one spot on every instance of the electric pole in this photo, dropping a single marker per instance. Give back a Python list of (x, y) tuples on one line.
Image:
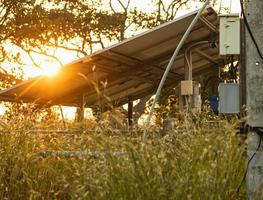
[(253, 20)]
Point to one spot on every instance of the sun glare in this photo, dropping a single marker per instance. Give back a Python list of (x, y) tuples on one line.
[(48, 67), (50, 71)]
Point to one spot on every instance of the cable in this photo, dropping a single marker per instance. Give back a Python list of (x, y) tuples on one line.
[(251, 158), (249, 29)]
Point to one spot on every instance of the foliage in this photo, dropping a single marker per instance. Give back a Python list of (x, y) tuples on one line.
[(167, 105), (32, 27), (31, 113)]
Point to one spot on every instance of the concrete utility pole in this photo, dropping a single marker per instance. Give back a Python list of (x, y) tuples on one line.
[(254, 96)]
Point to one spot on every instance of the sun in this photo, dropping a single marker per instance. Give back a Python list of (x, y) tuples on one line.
[(50, 71), (48, 67)]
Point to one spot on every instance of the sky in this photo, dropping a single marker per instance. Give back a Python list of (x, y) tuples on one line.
[(49, 68)]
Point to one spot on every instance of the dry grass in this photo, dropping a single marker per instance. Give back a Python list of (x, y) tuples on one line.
[(199, 162)]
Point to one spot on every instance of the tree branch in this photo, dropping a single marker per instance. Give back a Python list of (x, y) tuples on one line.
[(44, 53), (112, 7), (67, 48), (122, 5)]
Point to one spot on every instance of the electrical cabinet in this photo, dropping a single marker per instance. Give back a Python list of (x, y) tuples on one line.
[(229, 34), (229, 99)]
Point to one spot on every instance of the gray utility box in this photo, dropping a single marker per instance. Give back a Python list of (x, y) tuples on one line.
[(229, 31), (229, 98)]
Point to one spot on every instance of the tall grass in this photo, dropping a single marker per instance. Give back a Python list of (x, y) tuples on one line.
[(199, 162)]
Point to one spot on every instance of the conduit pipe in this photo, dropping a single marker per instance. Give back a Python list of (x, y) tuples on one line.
[(189, 62), (186, 34)]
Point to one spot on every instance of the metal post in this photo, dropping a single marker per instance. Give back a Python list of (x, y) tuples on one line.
[(81, 109), (188, 68), (169, 66), (185, 101), (187, 65), (254, 94), (130, 112)]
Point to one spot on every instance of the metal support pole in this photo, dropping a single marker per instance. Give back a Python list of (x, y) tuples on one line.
[(188, 69), (188, 65), (170, 64), (130, 112), (186, 100), (81, 110)]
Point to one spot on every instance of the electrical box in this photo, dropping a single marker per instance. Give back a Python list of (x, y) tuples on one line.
[(229, 34), (187, 87), (189, 96), (229, 99)]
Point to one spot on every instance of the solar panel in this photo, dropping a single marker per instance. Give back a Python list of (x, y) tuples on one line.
[(129, 69)]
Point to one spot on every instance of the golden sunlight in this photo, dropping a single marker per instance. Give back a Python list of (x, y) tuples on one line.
[(48, 67), (50, 70)]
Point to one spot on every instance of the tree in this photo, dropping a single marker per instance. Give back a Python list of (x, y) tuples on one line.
[(41, 27), (33, 27)]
